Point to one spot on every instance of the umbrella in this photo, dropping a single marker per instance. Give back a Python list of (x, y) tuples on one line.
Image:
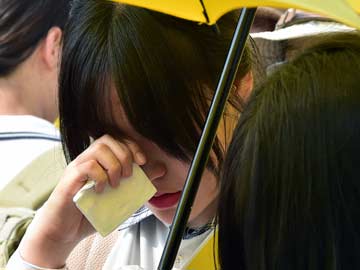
[(208, 11)]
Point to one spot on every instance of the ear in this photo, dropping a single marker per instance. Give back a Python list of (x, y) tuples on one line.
[(244, 86), (51, 48)]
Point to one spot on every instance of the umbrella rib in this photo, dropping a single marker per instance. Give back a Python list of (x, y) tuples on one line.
[(204, 11)]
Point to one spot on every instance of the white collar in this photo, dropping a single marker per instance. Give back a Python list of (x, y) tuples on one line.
[(26, 123)]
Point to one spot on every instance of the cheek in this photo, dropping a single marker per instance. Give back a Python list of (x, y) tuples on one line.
[(207, 192), (209, 184), (177, 170)]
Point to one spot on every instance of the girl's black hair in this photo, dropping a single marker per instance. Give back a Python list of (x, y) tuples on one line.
[(164, 70), (23, 24), (290, 185)]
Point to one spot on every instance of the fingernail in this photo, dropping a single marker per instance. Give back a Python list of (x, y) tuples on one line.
[(127, 172), (99, 188), (116, 182), (140, 158)]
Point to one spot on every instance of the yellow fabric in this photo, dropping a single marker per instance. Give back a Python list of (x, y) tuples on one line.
[(342, 10), (206, 255), (355, 4), (57, 123)]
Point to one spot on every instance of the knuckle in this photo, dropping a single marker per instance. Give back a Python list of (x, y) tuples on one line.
[(100, 147), (77, 171), (105, 137), (92, 164)]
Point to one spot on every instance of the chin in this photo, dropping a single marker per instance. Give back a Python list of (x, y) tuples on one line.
[(165, 216)]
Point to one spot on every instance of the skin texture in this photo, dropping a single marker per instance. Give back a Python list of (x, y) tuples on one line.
[(32, 87)]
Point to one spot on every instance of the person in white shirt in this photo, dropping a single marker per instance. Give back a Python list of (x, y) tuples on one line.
[(139, 83), (30, 45)]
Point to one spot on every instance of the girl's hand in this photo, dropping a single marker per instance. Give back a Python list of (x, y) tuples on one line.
[(59, 226)]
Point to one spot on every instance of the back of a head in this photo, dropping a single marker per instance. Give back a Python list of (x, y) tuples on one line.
[(292, 171), (23, 24)]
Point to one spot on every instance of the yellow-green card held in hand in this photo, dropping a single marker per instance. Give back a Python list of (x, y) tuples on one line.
[(108, 209), (209, 11)]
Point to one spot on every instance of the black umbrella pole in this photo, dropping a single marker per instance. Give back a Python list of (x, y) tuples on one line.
[(207, 137)]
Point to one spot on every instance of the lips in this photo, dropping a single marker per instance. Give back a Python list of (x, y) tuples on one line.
[(165, 200), (158, 194)]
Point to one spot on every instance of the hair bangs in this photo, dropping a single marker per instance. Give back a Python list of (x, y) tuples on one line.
[(155, 83)]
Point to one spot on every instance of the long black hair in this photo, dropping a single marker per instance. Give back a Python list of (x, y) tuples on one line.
[(23, 24), (164, 69), (290, 185)]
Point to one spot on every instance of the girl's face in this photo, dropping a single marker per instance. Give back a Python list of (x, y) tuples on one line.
[(168, 175)]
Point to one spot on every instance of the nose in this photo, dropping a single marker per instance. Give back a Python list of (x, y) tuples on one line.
[(154, 170)]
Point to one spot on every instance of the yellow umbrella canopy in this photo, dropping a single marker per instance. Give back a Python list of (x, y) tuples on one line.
[(209, 11)]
